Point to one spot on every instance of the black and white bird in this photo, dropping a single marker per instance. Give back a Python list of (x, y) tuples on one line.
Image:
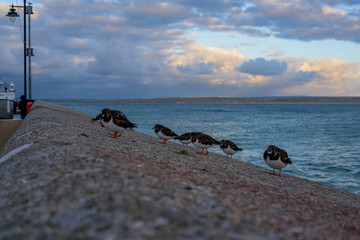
[(185, 138), (203, 141), (229, 147), (115, 121), (276, 158), (164, 133)]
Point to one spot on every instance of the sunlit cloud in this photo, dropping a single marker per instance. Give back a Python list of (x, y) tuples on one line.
[(329, 77), (82, 60)]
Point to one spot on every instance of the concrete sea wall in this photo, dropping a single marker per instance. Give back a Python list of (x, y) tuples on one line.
[(63, 177)]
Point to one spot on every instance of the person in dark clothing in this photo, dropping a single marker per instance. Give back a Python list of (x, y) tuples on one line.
[(23, 106)]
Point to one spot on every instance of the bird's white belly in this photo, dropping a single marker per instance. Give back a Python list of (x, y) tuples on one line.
[(200, 145), (162, 136), (111, 126), (229, 150), (185, 141), (277, 164)]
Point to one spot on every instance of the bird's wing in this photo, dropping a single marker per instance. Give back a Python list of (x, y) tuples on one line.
[(118, 115), (233, 146), (284, 156), (184, 136), (168, 132), (206, 139), (120, 119)]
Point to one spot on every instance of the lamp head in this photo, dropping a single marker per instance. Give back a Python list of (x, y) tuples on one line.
[(12, 14)]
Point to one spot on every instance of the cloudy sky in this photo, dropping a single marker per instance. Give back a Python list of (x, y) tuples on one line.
[(106, 49)]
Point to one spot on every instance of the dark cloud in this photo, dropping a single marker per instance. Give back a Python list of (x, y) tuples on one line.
[(151, 14), (260, 66), (197, 68), (302, 20)]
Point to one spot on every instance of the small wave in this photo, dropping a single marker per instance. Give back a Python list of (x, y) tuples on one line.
[(339, 169)]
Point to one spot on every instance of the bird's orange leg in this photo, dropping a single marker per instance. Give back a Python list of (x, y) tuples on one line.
[(115, 135), (120, 134), (206, 151), (273, 172), (279, 173), (164, 142), (201, 151)]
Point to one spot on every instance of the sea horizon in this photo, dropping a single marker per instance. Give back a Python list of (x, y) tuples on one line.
[(206, 99)]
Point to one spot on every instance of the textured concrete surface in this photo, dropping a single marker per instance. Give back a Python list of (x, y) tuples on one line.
[(63, 177)]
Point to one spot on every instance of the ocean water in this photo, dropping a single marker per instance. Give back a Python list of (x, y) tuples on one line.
[(322, 140)]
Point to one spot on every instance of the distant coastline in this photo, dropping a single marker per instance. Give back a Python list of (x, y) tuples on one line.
[(230, 100)]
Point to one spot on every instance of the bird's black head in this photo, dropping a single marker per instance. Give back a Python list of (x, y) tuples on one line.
[(271, 149), (158, 127), (106, 114), (106, 111), (194, 135), (223, 144)]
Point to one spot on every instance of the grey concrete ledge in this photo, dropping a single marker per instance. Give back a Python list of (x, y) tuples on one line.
[(63, 177)]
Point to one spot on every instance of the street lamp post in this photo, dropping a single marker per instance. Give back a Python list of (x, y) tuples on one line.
[(29, 52), (12, 14)]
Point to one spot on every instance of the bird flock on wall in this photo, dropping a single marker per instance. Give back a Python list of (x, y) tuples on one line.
[(117, 122)]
